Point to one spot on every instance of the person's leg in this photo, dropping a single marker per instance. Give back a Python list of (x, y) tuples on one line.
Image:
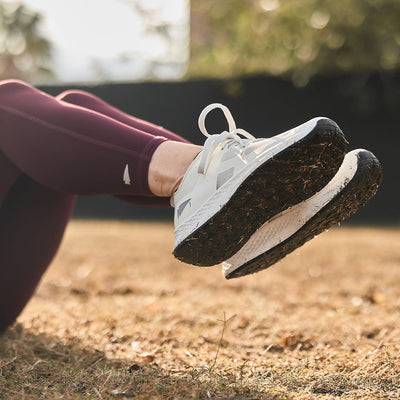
[(9, 173), (49, 151), (78, 151), (94, 103), (32, 223)]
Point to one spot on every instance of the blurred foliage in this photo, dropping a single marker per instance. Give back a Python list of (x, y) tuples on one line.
[(294, 38), (165, 36), (24, 51)]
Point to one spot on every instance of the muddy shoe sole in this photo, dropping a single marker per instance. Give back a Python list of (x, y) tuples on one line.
[(355, 183), (282, 180)]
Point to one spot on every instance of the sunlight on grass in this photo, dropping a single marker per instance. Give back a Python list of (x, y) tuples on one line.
[(116, 316)]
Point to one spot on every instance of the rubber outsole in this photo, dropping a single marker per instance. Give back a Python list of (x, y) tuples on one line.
[(293, 175), (356, 194)]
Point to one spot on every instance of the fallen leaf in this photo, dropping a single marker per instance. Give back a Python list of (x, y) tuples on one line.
[(146, 357), (289, 341)]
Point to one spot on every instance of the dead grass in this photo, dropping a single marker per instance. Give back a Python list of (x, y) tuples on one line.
[(117, 317)]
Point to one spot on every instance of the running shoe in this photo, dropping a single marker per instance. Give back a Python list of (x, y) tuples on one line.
[(355, 183), (238, 182)]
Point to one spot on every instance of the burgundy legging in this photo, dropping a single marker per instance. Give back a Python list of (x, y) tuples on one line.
[(52, 149)]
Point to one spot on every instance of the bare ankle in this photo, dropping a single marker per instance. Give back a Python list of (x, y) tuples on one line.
[(168, 166)]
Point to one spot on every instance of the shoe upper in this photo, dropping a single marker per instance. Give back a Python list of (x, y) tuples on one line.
[(222, 157)]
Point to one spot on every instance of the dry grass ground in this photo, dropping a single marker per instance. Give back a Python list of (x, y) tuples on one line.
[(117, 317)]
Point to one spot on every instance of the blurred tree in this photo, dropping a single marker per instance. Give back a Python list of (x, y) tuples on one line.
[(166, 35), (24, 52), (294, 38)]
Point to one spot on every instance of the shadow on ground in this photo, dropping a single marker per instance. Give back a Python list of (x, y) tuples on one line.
[(41, 366)]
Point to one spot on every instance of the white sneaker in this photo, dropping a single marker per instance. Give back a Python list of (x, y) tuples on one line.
[(236, 184), (354, 184)]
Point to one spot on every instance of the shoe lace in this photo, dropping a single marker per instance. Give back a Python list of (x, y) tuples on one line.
[(214, 140)]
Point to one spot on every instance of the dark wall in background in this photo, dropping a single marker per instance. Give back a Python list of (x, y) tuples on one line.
[(366, 107)]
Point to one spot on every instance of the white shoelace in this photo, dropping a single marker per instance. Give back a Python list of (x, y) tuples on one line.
[(213, 141)]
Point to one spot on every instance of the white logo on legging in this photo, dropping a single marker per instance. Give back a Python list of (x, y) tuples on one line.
[(126, 177)]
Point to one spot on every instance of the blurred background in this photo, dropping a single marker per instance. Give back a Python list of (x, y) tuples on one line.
[(274, 63)]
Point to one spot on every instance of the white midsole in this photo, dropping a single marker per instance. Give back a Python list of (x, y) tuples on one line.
[(222, 196), (287, 223)]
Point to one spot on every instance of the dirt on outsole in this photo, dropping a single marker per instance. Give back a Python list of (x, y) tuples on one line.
[(116, 316)]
